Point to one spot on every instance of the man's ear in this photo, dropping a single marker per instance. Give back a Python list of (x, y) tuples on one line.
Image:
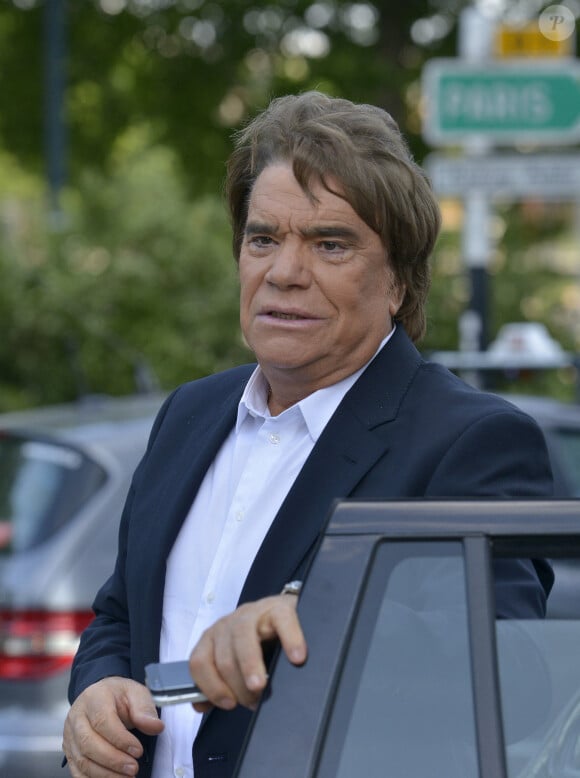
[(397, 296)]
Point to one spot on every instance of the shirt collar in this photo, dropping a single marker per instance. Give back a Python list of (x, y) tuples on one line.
[(316, 408), (254, 400)]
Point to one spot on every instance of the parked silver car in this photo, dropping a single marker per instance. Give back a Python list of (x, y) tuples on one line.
[(64, 476)]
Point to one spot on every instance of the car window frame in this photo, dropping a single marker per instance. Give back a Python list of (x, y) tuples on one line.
[(287, 732), (90, 466)]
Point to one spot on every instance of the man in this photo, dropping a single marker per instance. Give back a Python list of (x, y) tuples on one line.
[(333, 227)]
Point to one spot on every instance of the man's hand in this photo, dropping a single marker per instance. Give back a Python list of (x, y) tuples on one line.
[(227, 663), (96, 740)]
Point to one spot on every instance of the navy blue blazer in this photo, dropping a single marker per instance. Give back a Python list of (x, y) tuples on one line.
[(407, 428)]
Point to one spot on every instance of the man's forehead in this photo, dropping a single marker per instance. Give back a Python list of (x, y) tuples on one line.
[(308, 224), (280, 177), (272, 203)]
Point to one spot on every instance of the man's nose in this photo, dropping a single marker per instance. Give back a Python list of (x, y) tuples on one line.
[(290, 265)]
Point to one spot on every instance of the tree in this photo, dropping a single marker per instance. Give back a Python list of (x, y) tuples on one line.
[(141, 279), (192, 70)]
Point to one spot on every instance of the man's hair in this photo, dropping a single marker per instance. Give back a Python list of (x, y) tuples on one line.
[(361, 147)]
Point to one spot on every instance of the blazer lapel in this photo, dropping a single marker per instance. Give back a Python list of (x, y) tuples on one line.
[(350, 445), (200, 450)]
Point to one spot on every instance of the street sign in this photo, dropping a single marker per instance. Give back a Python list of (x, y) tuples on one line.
[(504, 175), (527, 40), (507, 102)]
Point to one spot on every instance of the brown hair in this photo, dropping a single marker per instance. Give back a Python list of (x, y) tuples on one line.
[(362, 147)]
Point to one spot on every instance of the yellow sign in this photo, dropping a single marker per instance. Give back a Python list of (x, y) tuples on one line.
[(529, 41)]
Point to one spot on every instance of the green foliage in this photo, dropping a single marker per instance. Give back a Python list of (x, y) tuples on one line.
[(139, 273)]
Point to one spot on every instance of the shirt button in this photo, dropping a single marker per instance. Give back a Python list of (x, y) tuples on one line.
[(274, 439), (209, 597), (239, 515), (179, 772)]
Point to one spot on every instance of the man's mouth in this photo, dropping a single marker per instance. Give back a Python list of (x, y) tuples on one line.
[(280, 315)]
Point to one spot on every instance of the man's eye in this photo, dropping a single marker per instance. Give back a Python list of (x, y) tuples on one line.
[(260, 240), (333, 248)]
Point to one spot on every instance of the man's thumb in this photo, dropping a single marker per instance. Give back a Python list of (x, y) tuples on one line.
[(145, 718), (143, 712)]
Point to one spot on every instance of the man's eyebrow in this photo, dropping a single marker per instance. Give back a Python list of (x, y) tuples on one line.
[(317, 231), (259, 228), (330, 231)]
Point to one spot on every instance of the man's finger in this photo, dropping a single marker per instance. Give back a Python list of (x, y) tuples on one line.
[(281, 621), (250, 678), (286, 626), (89, 754), (203, 668)]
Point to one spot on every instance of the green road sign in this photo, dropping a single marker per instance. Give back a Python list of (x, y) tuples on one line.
[(507, 102)]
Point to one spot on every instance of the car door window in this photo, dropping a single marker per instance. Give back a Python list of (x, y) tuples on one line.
[(539, 663), (566, 442), (404, 705)]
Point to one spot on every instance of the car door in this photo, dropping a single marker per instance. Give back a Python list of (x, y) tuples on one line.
[(409, 674)]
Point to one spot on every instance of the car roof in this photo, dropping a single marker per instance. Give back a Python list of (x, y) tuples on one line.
[(547, 411), (89, 419)]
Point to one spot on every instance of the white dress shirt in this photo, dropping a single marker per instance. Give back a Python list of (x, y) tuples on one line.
[(237, 502)]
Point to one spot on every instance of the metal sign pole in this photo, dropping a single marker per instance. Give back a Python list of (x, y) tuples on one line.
[(475, 46)]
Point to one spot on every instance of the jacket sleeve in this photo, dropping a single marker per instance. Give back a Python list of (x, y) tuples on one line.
[(104, 649), (503, 454)]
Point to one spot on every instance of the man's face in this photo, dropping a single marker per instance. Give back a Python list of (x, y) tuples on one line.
[(317, 290)]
